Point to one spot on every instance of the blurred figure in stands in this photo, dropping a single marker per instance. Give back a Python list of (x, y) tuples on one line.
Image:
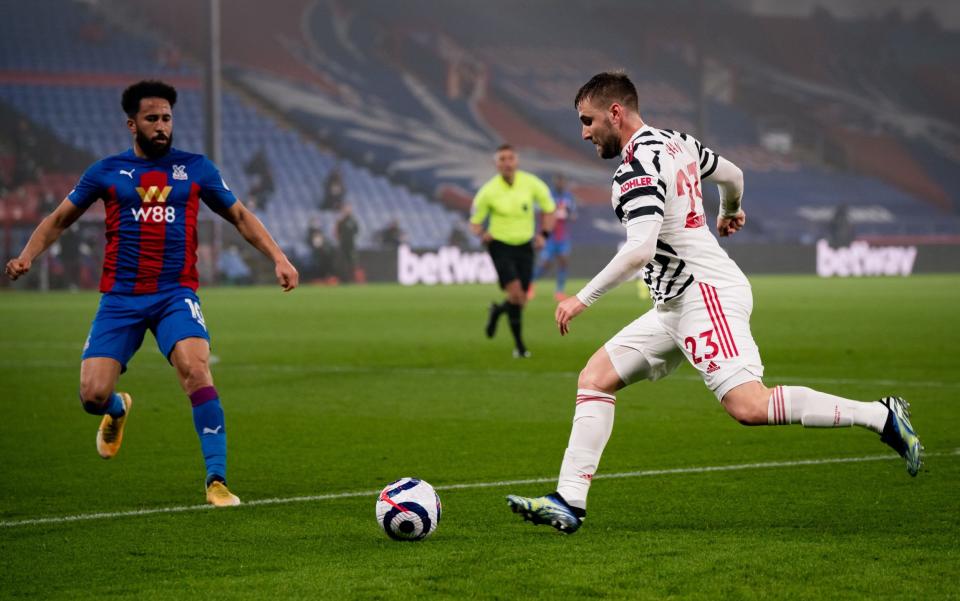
[(322, 254), (261, 187), (233, 268), (391, 235), (841, 230), (459, 237), (333, 191), (347, 229)]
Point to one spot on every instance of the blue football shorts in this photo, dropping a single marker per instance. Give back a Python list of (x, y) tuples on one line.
[(555, 248), (123, 319)]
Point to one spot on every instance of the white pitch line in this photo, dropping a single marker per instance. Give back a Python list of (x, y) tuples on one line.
[(461, 372), (371, 493)]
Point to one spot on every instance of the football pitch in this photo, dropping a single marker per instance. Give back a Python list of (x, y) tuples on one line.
[(331, 393)]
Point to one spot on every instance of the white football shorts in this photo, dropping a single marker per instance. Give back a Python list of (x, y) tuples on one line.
[(709, 326)]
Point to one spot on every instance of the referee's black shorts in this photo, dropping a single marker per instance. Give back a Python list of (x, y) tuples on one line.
[(513, 262)]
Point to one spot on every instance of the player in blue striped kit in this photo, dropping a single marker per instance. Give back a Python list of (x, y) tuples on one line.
[(151, 195)]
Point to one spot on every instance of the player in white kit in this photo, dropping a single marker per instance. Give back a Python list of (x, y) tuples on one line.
[(702, 302)]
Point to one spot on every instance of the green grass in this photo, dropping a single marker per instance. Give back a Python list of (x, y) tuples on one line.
[(346, 389)]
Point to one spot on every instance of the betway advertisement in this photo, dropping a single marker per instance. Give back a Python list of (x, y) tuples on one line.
[(448, 265), (860, 259)]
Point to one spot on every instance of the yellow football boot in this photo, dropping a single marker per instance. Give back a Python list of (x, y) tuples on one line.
[(110, 433), (219, 495)]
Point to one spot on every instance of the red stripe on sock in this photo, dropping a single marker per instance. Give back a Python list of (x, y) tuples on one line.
[(779, 403), (587, 399), (203, 395), (773, 402), (783, 405)]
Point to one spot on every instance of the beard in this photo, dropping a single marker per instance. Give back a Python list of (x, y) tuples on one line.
[(610, 149), (154, 148), (608, 143)]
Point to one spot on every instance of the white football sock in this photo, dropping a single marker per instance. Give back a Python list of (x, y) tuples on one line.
[(792, 404), (592, 424)]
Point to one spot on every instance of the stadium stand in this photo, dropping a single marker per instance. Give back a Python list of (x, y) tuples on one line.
[(410, 98), (421, 94), (71, 87)]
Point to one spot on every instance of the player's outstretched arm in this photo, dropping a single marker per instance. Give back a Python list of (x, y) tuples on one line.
[(729, 179), (728, 226), (254, 232), (638, 250), (46, 234), (567, 309)]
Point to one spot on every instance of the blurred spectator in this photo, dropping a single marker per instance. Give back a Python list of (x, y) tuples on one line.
[(841, 230), (333, 191), (458, 236), (48, 202), (26, 147), (69, 257), (206, 266), (347, 229), (322, 254), (233, 268), (90, 248), (92, 32), (261, 178), (168, 56), (391, 235)]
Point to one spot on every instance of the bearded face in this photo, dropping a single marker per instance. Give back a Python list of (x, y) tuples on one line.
[(598, 129), (152, 127), (606, 139), (154, 146)]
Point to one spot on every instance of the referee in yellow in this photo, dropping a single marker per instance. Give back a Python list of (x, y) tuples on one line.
[(506, 204)]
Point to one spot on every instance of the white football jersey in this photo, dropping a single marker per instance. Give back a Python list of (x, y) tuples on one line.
[(660, 180)]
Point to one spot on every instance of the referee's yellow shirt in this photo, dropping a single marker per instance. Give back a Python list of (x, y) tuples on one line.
[(511, 208)]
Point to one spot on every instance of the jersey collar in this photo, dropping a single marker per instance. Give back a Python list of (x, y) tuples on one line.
[(130, 153), (626, 153)]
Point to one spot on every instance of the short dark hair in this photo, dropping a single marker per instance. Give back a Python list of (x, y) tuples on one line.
[(151, 88), (503, 147), (609, 87)]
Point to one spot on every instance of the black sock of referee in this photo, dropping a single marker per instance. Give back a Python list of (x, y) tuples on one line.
[(516, 325)]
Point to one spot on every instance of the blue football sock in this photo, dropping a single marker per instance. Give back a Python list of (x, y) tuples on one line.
[(114, 406), (561, 279), (208, 420)]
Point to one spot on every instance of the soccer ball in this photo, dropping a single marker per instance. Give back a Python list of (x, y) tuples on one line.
[(408, 509)]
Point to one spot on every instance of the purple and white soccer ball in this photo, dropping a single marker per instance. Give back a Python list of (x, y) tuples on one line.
[(408, 509)]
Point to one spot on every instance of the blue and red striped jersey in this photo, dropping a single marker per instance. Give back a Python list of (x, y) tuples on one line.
[(151, 217)]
